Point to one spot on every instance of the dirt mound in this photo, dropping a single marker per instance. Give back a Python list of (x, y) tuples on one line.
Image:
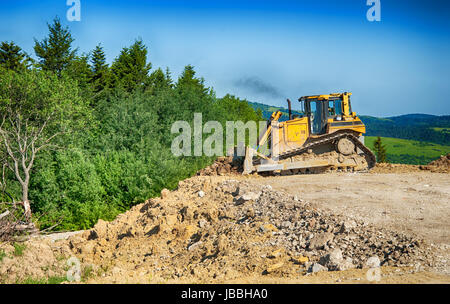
[(223, 166), (394, 168), (217, 229), (440, 165), (443, 161), (32, 260), (402, 168), (212, 230)]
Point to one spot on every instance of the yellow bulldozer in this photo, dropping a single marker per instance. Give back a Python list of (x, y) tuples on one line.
[(328, 135)]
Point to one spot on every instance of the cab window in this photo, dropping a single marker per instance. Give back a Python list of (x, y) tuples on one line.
[(338, 106), (331, 111)]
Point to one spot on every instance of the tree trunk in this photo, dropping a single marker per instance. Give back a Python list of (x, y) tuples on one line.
[(26, 202)]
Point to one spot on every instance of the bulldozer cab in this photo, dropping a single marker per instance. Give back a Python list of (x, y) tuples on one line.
[(319, 109)]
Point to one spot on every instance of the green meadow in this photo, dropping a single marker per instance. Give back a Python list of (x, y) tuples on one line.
[(404, 151)]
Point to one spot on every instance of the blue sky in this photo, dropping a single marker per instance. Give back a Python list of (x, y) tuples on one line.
[(267, 51)]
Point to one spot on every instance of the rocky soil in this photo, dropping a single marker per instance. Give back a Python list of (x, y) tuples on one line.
[(222, 227), (217, 229), (442, 162), (223, 166)]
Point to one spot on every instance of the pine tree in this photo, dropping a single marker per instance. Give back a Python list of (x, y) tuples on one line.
[(188, 80), (80, 70), (130, 69), (55, 51), (380, 150), (100, 69), (13, 57), (169, 77), (158, 80)]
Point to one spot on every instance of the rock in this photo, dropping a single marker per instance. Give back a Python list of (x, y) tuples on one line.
[(332, 260), (222, 244), (286, 224), (348, 226), (373, 262), (87, 247), (187, 232), (335, 256), (268, 227), (195, 245), (316, 267), (202, 223), (301, 260), (164, 193), (75, 240), (267, 187), (171, 220), (250, 212), (320, 240), (250, 196), (99, 231), (346, 264), (274, 267), (201, 194), (276, 253)]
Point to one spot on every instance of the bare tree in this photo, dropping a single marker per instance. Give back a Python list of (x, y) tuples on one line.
[(35, 108), (22, 144)]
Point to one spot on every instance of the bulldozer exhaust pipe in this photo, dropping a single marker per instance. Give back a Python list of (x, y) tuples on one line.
[(290, 109)]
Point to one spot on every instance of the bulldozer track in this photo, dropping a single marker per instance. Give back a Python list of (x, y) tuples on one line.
[(331, 138)]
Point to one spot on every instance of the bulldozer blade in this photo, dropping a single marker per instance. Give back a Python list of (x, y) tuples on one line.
[(248, 161), (292, 165)]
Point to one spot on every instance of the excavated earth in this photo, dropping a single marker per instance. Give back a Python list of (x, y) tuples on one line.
[(234, 229)]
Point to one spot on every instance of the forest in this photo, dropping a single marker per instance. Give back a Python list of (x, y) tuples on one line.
[(82, 139)]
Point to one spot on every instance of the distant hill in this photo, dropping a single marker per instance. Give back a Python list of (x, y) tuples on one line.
[(419, 127), (405, 151)]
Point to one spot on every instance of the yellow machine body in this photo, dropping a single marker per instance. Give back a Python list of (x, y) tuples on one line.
[(331, 127)]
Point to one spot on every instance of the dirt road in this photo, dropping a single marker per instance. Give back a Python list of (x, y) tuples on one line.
[(413, 203)]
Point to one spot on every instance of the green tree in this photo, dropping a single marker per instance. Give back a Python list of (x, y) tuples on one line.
[(100, 69), (36, 109), (130, 70), (169, 77), (159, 80), (233, 108), (188, 79), (380, 150), (55, 51), (13, 57), (80, 70)]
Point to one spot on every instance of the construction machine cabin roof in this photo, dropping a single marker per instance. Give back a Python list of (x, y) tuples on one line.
[(325, 97)]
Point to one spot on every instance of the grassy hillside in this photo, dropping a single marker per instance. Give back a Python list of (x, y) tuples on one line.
[(404, 151), (428, 128)]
